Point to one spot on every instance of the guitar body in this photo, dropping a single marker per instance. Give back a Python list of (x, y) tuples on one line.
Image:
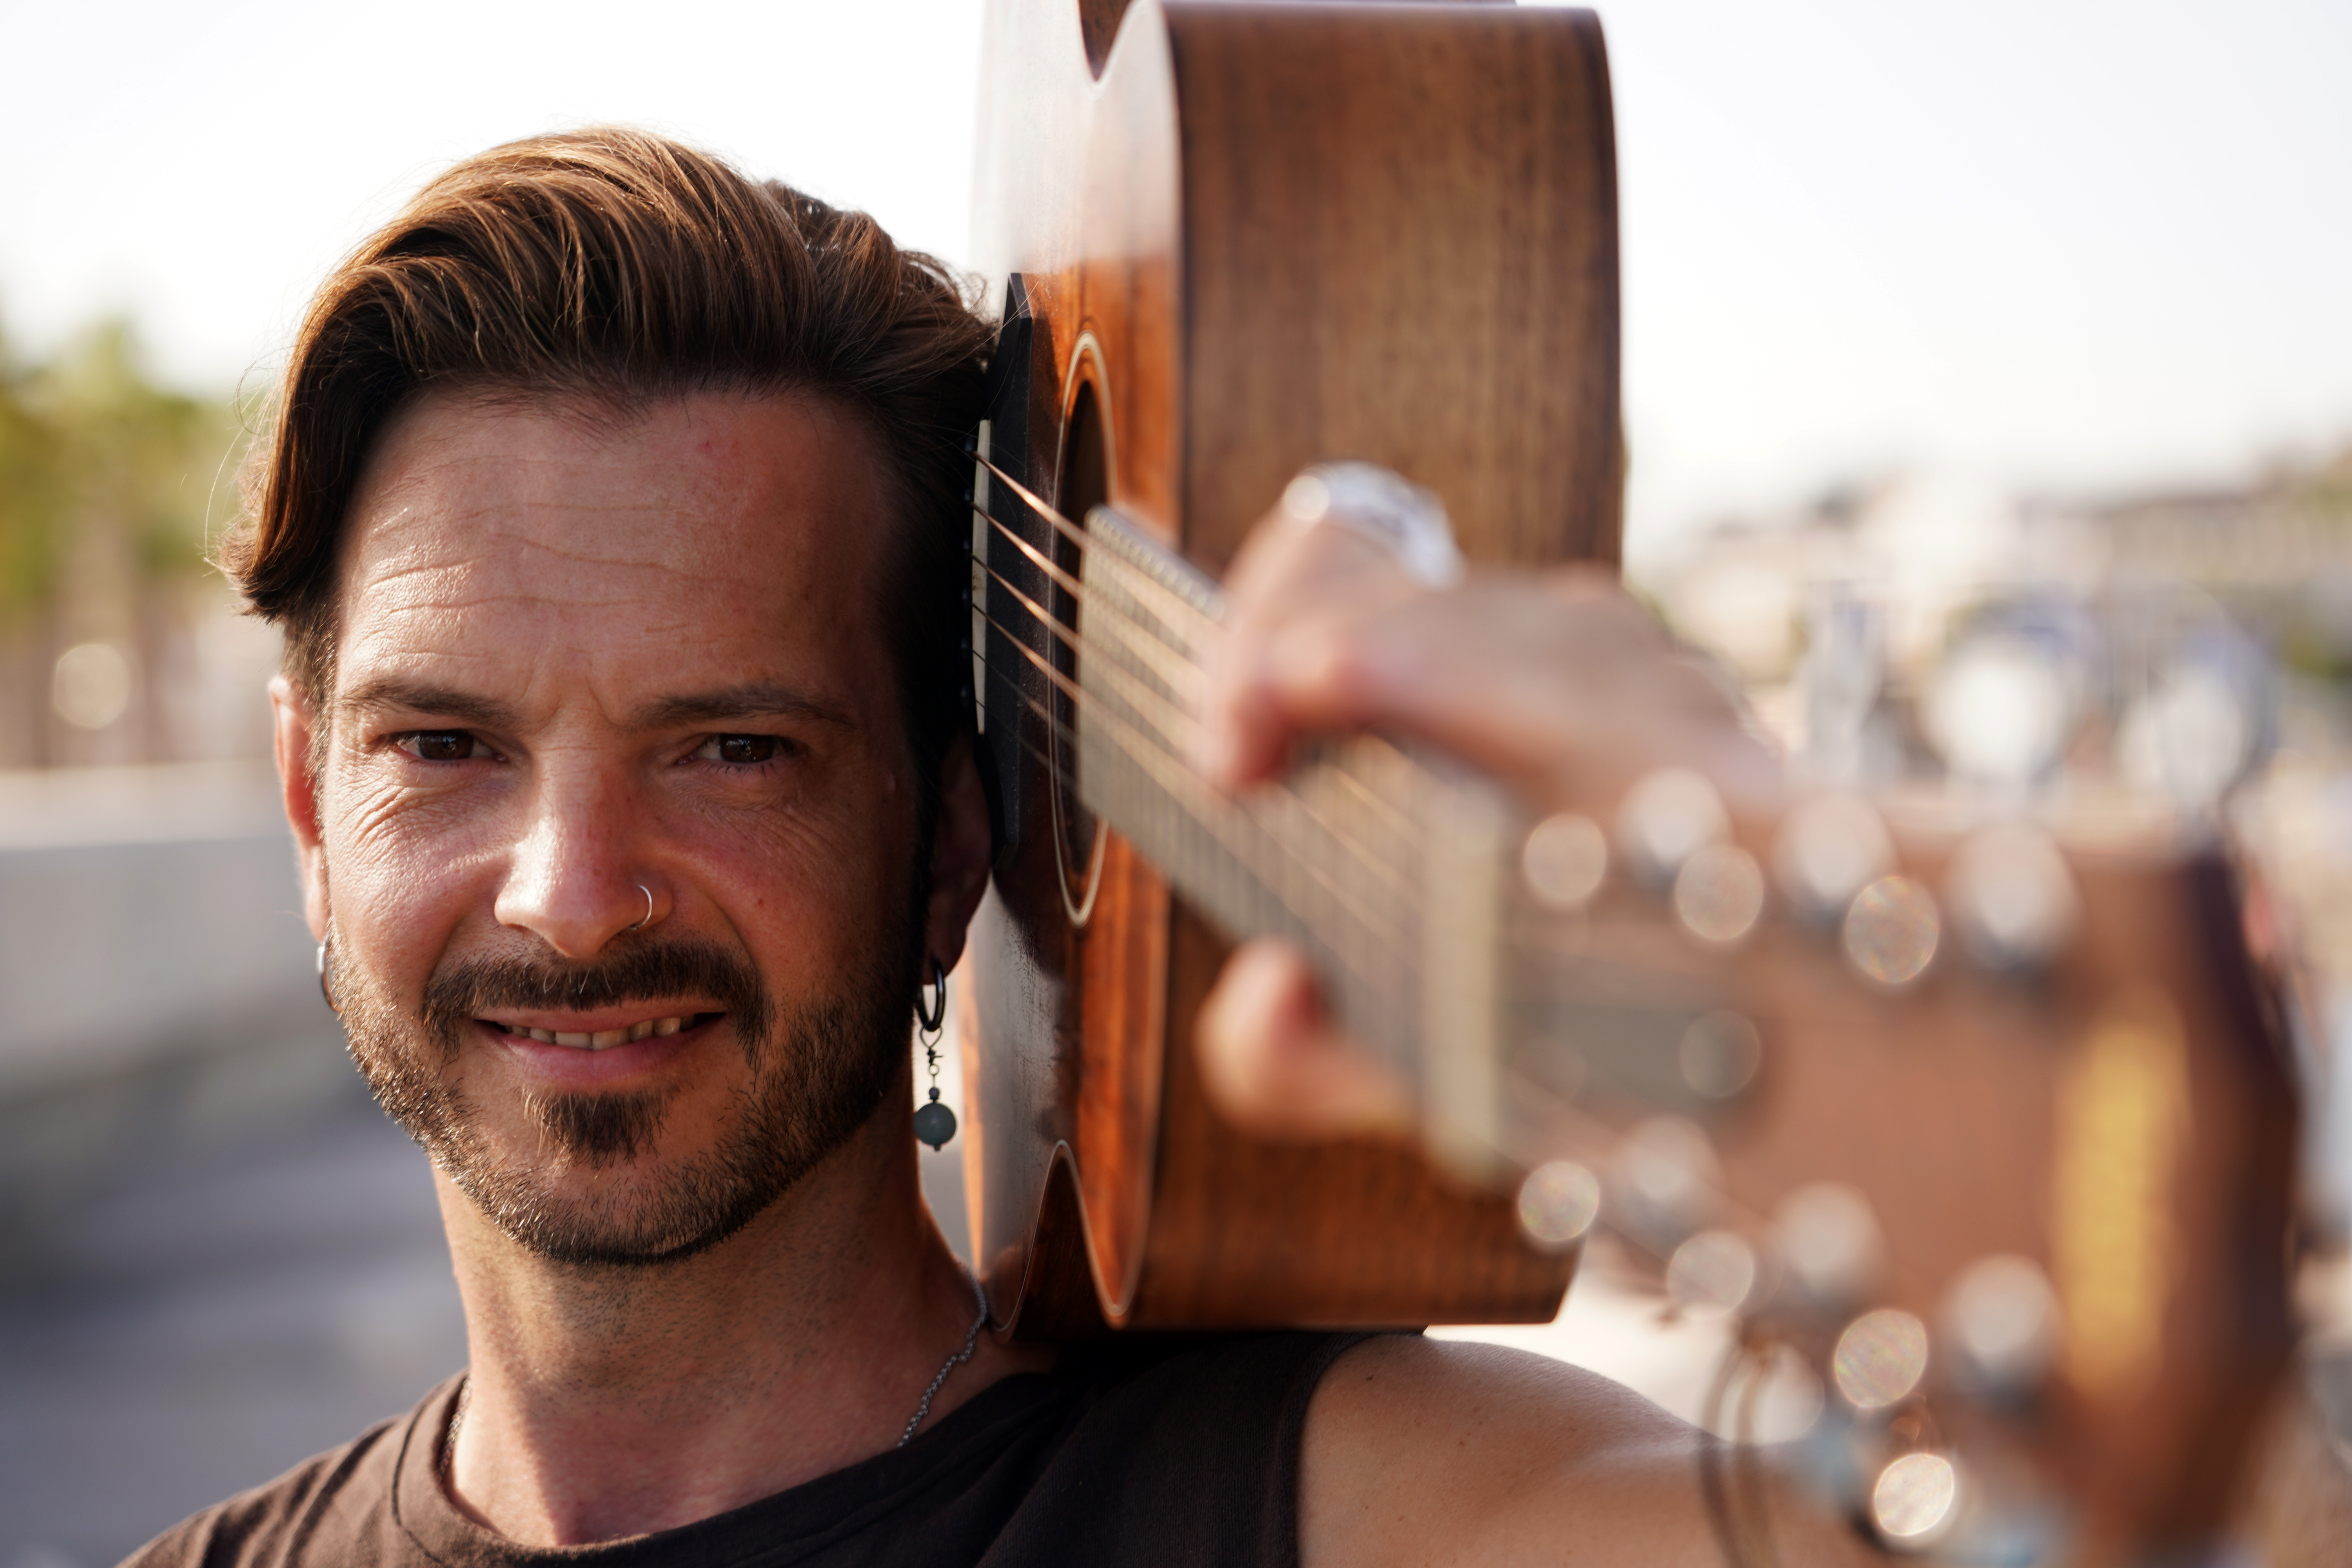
[(1236, 239)]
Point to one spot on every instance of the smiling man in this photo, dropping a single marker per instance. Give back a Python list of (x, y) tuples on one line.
[(613, 522)]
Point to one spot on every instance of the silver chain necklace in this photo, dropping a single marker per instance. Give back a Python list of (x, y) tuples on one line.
[(938, 1381), (970, 1343)]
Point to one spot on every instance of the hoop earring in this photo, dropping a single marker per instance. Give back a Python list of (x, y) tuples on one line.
[(936, 1015), (326, 979), (934, 1122)]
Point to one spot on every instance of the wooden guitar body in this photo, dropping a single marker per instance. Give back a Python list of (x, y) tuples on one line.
[(1234, 239)]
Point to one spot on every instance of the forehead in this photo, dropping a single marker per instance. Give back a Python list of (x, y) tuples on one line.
[(711, 533)]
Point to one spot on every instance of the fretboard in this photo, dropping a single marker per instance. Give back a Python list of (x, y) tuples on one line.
[(1390, 871)]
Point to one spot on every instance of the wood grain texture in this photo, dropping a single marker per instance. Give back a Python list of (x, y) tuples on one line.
[(1267, 235)]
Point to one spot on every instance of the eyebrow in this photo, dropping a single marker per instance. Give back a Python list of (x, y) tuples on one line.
[(751, 699), (748, 699), (421, 697)]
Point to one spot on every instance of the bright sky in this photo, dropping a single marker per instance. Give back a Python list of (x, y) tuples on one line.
[(2043, 242)]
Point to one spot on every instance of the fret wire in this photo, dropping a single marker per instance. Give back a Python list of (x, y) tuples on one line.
[(1077, 638), (1382, 866), (1286, 853), (1122, 589), (1370, 794), (1360, 853), (1398, 824), (1187, 788), (1380, 975), (1083, 593), (1076, 534)]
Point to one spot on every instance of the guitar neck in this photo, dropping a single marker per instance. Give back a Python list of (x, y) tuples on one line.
[(1390, 871)]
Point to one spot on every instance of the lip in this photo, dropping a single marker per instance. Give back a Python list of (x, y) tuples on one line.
[(578, 1065)]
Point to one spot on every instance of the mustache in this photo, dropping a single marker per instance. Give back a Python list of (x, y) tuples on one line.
[(466, 988)]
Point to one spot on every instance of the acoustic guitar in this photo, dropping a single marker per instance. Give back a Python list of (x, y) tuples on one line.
[(1981, 1116)]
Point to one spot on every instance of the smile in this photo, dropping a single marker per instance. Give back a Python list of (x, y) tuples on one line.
[(604, 1039)]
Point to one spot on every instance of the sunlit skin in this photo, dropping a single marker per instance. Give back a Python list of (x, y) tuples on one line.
[(579, 656)]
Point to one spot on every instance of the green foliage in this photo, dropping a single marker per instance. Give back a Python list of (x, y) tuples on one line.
[(87, 441)]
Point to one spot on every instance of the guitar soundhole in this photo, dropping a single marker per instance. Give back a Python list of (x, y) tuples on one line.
[(1085, 485)]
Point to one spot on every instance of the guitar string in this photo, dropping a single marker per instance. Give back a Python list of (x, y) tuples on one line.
[(1342, 881), (1168, 724), (1361, 800), (1397, 826), (1170, 739), (1357, 796), (1174, 735), (1219, 815), (1078, 536)]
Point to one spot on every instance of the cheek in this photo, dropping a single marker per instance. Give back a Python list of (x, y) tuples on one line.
[(819, 886), (401, 874)]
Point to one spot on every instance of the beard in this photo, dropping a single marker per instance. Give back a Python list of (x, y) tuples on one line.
[(820, 1067)]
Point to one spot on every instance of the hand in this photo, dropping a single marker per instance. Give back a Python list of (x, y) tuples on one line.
[(1556, 683)]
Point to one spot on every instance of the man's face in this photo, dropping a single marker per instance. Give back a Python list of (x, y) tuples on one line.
[(589, 665)]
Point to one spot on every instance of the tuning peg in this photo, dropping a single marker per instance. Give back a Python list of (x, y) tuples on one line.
[(1714, 1272), (1892, 930), (2000, 1320), (1558, 1201), (1565, 860), (1665, 818), (1880, 1358), (1915, 1500), (1828, 1239), (1719, 894), (1829, 848), (1663, 1180), (2012, 897)]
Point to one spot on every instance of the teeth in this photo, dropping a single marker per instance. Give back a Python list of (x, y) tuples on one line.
[(603, 1038)]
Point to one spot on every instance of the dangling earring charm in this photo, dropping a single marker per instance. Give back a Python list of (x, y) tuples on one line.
[(326, 979), (934, 1123)]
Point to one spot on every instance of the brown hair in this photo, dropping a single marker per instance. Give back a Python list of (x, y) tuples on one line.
[(617, 267)]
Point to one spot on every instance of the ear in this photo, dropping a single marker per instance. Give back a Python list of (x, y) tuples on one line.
[(291, 727), (962, 850)]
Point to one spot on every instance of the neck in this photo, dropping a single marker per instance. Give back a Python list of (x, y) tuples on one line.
[(605, 1401)]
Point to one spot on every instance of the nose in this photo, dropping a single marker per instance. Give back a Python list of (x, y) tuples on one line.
[(577, 877)]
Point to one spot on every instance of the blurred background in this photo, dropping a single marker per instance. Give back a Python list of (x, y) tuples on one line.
[(1936, 318)]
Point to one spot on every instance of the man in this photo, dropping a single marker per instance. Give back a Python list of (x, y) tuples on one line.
[(612, 521)]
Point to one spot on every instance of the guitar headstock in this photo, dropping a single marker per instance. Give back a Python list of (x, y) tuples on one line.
[(1985, 1122), (1966, 1099)]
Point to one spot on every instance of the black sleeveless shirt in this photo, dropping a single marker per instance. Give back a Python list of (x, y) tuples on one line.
[(1142, 1452)]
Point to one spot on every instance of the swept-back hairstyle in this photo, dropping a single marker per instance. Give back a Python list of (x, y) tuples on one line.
[(616, 268)]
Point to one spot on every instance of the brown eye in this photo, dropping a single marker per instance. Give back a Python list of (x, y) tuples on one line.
[(442, 745), (746, 748)]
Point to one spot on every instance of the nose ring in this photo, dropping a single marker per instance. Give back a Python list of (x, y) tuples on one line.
[(644, 918)]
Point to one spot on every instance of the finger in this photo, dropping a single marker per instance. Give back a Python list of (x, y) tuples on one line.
[(1276, 1065), (1500, 673), (1285, 573)]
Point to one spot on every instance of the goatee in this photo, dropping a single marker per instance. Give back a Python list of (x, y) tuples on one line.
[(820, 1067)]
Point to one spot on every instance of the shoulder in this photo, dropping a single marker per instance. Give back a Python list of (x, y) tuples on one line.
[(1424, 1452), (334, 1508)]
